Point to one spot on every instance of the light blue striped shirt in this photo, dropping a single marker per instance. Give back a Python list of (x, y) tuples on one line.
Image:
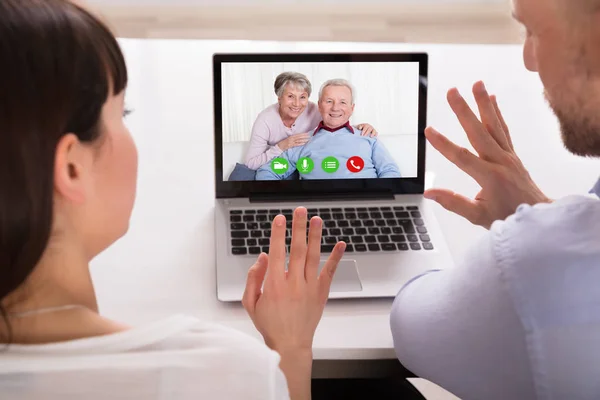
[(519, 318), (341, 144)]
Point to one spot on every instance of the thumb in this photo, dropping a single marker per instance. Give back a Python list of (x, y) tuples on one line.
[(256, 276), (455, 203)]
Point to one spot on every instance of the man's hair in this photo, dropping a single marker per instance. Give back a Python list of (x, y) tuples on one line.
[(339, 82), (295, 78)]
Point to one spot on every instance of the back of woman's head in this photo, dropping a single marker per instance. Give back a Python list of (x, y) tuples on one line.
[(58, 66)]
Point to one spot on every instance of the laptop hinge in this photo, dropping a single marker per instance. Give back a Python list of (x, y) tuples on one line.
[(314, 197)]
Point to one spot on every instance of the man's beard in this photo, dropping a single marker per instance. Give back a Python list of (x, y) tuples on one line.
[(579, 124), (575, 101)]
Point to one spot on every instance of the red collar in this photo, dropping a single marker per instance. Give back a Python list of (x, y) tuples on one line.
[(322, 126)]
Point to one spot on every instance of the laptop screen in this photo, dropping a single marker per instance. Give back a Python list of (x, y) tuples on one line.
[(296, 119)]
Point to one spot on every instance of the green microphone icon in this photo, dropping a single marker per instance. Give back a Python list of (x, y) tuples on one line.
[(305, 165)]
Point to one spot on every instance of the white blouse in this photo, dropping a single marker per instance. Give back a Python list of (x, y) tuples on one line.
[(176, 358)]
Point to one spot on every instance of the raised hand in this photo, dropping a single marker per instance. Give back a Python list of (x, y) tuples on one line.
[(287, 310), (505, 183)]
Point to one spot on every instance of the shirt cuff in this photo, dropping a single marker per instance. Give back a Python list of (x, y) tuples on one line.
[(277, 150)]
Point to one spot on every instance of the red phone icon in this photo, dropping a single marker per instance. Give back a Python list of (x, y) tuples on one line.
[(355, 164)]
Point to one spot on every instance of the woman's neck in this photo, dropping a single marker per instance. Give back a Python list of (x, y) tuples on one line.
[(61, 278), (287, 121), (60, 326)]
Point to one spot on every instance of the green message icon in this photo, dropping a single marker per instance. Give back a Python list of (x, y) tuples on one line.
[(330, 164), (280, 165), (305, 165)]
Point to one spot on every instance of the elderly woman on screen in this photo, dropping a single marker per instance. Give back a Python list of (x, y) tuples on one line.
[(287, 123)]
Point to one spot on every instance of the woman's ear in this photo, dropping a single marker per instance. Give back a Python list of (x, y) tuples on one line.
[(70, 169)]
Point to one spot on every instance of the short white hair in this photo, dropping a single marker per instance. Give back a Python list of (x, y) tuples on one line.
[(339, 82), (291, 78)]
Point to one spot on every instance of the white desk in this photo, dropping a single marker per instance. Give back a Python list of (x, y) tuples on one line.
[(166, 263)]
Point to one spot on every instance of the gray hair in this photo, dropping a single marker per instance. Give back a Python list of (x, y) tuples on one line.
[(339, 82), (295, 78)]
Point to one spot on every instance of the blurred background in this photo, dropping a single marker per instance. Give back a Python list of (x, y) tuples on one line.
[(416, 21)]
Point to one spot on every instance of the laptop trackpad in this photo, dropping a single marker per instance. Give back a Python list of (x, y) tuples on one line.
[(346, 277)]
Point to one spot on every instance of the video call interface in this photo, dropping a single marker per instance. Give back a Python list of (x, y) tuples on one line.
[(319, 121)]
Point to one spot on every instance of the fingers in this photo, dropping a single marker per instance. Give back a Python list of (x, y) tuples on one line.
[(367, 130), (256, 276), (371, 132), (298, 247), (329, 269), (480, 139), (488, 115), (502, 121), (455, 203), (301, 139), (276, 270), (313, 256), (459, 156)]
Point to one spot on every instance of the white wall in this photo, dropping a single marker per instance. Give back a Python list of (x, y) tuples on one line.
[(387, 94)]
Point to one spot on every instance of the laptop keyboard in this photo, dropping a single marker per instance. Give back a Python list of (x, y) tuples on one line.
[(363, 229)]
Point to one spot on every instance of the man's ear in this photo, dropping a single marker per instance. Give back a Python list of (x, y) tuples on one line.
[(69, 169)]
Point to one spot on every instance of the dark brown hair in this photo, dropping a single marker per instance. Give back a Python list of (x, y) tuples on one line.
[(58, 66)]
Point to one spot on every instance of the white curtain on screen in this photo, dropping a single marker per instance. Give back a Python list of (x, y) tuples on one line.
[(386, 93)]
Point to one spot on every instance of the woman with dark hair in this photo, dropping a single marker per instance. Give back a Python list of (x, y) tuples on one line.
[(68, 169)]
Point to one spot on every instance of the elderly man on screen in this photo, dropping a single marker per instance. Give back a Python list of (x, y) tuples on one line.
[(336, 150)]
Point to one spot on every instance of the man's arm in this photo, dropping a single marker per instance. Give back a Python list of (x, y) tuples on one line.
[(383, 161), (458, 328), (265, 173)]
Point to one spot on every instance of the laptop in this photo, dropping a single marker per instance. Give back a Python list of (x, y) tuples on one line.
[(368, 191)]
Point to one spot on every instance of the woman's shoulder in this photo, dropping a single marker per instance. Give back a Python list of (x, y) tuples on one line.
[(225, 351), (178, 337), (203, 356), (269, 114), (210, 336), (312, 109), (178, 332), (310, 118)]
